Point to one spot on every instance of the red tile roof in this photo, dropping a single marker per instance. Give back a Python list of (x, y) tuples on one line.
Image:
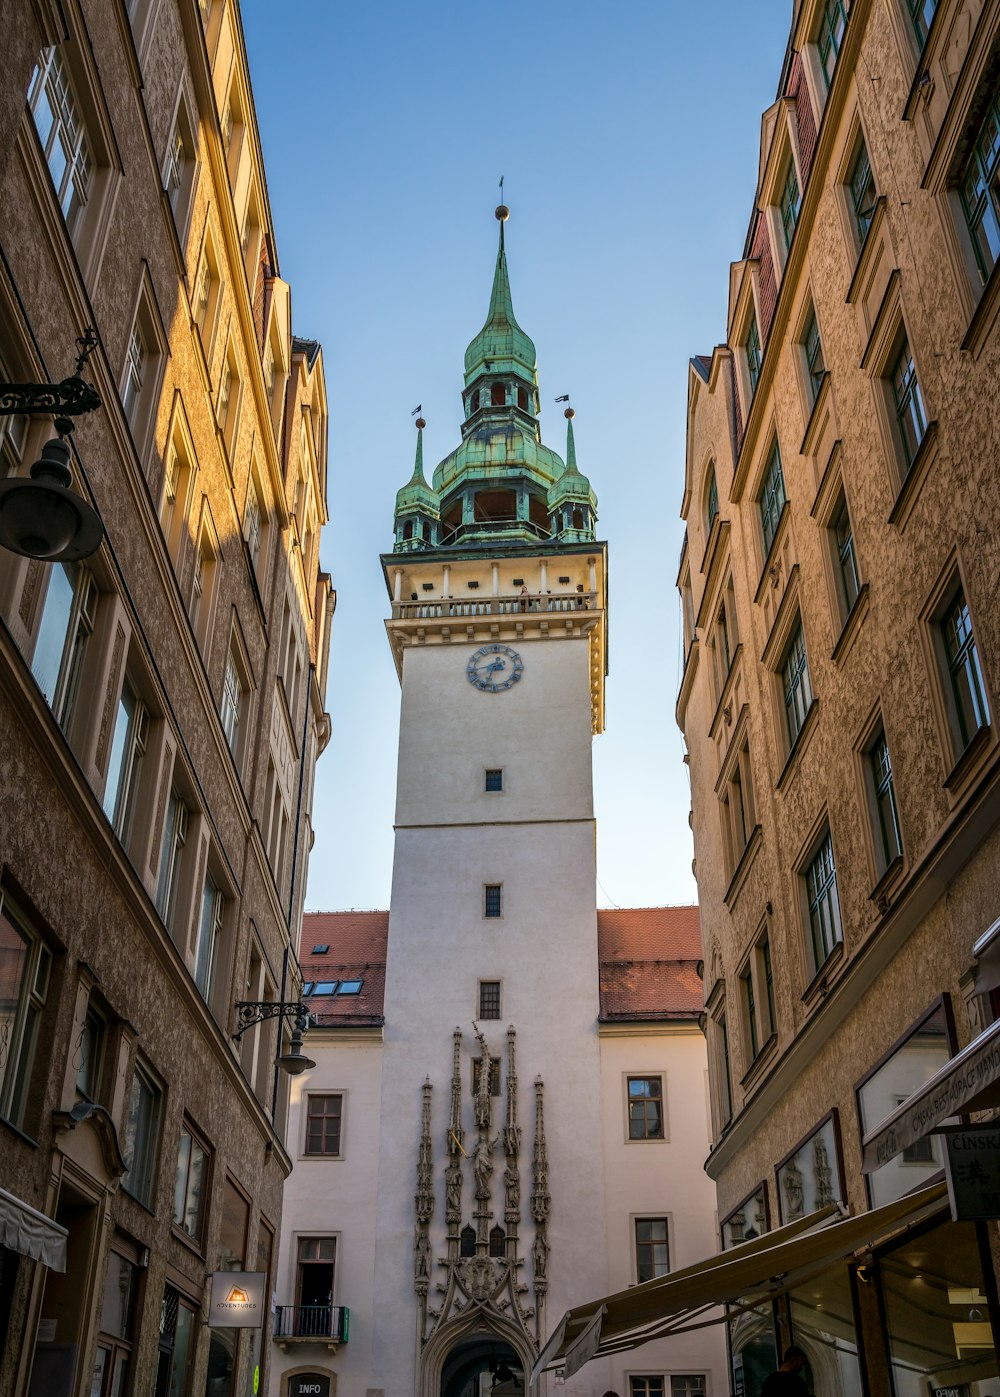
[(648, 963), (649, 960), (357, 942)]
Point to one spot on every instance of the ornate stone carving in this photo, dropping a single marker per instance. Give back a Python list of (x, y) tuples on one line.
[(421, 1260), (424, 1197), (512, 1194), (482, 1168), (792, 1182), (511, 1130), (539, 1257), (453, 1194), (484, 1102), (455, 1132), (823, 1172), (540, 1200), (481, 1277)]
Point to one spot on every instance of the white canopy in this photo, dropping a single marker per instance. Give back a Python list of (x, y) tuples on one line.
[(24, 1229)]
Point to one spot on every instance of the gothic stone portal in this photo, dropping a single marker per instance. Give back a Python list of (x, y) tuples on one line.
[(474, 1359)]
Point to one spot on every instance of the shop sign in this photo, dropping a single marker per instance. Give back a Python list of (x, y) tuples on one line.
[(973, 1171), (309, 1385), (237, 1300)]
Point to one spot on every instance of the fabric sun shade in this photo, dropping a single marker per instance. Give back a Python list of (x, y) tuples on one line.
[(745, 1274), (24, 1229)]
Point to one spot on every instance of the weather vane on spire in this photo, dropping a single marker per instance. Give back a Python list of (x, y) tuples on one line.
[(502, 211)]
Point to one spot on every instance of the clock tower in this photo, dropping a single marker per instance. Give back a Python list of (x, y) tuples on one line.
[(490, 1165)]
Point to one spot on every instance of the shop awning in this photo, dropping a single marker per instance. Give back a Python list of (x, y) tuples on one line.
[(744, 1275), (962, 1083), (24, 1229)]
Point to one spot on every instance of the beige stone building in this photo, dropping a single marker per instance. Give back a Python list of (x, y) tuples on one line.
[(161, 702), (840, 690)]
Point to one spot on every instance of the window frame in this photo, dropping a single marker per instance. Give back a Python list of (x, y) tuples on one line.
[(482, 986), (964, 659), (148, 1160), (880, 790), (811, 346), (639, 1245), (658, 1134), (307, 1116), (827, 37), (861, 197), (817, 882), (35, 982), (492, 901), (771, 496), (986, 171), (796, 682), (183, 1183), (753, 352), (907, 400), (789, 201)]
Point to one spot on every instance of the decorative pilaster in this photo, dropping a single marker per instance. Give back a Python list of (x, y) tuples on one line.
[(423, 1200), (540, 1205), (454, 1151)]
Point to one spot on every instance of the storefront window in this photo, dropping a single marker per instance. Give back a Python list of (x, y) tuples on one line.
[(913, 1063), (937, 1315), (746, 1222), (754, 1354), (823, 1327), (810, 1178)]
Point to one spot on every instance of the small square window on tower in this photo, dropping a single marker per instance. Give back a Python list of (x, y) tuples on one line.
[(494, 778), (493, 900)]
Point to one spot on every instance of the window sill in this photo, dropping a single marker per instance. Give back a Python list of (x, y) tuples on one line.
[(798, 746), (321, 1158), (851, 627), (809, 438), (819, 986), (915, 477), (882, 892), (186, 1240), (984, 316), (756, 1069), (964, 768), (743, 866)]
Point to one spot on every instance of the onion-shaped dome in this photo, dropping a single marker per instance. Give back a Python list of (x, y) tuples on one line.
[(501, 343)]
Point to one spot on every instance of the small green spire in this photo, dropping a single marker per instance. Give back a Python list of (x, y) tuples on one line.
[(570, 442), (501, 342), (418, 465)]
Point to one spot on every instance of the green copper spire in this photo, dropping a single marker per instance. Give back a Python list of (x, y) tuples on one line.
[(501, 343), (418, 505), (571, 500)]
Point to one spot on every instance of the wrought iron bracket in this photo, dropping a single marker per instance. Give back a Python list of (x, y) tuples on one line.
[(254, 1011), (70, 398)]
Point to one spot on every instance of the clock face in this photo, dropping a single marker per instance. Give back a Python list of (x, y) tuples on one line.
[(494, 668)]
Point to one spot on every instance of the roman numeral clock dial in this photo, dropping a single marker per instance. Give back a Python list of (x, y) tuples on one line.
[(493, 668)]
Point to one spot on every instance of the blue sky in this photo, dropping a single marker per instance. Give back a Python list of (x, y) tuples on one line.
[(628, 137)]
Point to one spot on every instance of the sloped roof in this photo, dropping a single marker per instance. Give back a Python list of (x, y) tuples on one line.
[(648, 969), (357, 942), (649, 958)]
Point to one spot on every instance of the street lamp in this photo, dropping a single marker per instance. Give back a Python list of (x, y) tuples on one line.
[(42, 517), (254, 1011)]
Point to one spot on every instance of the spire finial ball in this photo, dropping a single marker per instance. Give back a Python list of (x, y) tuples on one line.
[(502, 213), (570, 413), (421, 424)]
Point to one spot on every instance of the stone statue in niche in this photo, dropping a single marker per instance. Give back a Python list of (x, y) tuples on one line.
[(539, 1256), (482, 1166), (453, 1193), (512, 1185), (421, 1255)]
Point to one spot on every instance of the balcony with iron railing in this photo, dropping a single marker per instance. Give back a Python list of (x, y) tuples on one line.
[(444, 608), (311, 1324)]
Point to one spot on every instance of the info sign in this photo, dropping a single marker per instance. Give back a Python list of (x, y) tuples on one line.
[(973, 1171), (309, 1385), (237, 1300)]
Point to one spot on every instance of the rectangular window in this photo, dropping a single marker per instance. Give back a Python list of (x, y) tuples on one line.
[(140, 1137), (723, 1067), (646, 1386), (314, 1284), (645, 1108), (813, 350), (59, 123), (833, 22), (232, 703), (842, 539), (771, 500), (89, 1054), (980, 189), (791, 202), (209, 937), (750, 1013), (67, 622), (252, 523), (810, 1178), (687, 1385), (176, 1347), (25, 962), (712, 504), (114, 1344), (861, 186), (968, 697), (752, 346), (825, 928), (922, 14), (135, 372), (493, 900), (887, 840), (909, 403), (489, 999), (323, 1119), (174, 838), (128, 746), (796, 688), (652, 1251), (494, 779), (764, 949), (191, 1187)]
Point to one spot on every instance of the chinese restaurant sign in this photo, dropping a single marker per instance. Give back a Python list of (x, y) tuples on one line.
[(973, 1168), (237, 1300)]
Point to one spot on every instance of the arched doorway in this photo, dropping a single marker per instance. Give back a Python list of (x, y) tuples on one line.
[(484, 1366)]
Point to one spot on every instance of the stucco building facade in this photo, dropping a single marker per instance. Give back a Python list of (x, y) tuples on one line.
[(161, 701), (838, 700), (508, 1111)]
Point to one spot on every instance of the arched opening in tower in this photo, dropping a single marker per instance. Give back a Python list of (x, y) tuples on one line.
[(495, 506)]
